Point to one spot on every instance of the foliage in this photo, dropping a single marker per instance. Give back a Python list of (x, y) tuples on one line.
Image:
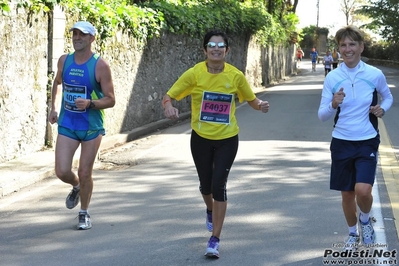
[(381, 50), (246, 17), (5, 8), (310, 34), (385, 18), (146, 19), (194, 17), (348, 7), (392, 51), (313, 30), (283, 14), (33, 5), (269, 29), (110, 15)]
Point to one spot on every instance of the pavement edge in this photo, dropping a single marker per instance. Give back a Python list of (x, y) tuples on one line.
[(390, 170), (27, 170)]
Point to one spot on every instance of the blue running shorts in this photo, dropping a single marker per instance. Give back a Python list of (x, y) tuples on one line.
[(353, 162), (80, 135)]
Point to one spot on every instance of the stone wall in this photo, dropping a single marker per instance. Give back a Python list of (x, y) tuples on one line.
[(142, 77), (23, 96), (31, 46)]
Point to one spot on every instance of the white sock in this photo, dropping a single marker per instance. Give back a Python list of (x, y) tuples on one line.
[(77, 186), (353, 230), (364, 217), (84, 211)]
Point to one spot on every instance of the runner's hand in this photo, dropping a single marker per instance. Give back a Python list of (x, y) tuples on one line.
[(53, 117), (338, 98), (171, 112), (377, 111), (81, 103), (264, 106)]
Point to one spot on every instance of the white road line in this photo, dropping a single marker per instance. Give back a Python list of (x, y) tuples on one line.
[(377, 213), (379, 228)]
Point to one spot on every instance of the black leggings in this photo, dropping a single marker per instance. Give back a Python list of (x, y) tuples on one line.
[(213, 160)]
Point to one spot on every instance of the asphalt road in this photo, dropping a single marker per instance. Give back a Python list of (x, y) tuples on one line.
[(147, 209)]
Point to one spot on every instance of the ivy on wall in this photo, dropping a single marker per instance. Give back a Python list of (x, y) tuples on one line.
[(147, 19)]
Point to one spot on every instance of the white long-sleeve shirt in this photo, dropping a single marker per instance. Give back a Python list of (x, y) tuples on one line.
[(362, 84)]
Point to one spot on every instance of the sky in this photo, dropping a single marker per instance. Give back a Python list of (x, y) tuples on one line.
[(330, 15)]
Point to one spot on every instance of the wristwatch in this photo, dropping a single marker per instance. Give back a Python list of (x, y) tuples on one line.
[(92, 105)]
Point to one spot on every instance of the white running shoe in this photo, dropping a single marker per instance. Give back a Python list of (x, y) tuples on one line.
[(84, 221), (368, 233)]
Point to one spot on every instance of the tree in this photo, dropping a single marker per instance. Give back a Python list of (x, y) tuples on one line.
[(294, 5), (384, 16), (349, 8)]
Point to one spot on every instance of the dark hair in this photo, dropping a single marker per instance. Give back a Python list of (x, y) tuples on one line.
[(351, 32), (211, 33)]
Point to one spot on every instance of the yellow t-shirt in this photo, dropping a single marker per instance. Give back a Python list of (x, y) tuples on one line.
[(213, 99)]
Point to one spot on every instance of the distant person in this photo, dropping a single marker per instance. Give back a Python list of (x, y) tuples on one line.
[(327, 62), (336, 56), (313, 57), (299, 55), (351, 95), (213, 86), (83, 84)]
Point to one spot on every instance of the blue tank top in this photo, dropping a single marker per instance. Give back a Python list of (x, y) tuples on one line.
[(314, 56), (80, 81)]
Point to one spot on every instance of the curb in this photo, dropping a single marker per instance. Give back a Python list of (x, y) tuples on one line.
[(27, 170), (122, 138)]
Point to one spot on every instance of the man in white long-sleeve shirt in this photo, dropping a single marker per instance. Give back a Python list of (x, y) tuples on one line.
[(350, 95)]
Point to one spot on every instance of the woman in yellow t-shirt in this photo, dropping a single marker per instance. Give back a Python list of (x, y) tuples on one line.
[(213, 85)]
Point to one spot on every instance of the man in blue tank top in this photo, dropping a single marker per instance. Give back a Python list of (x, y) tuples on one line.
[(83, 84)]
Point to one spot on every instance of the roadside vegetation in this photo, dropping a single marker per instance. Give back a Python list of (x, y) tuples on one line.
[(270, 21), (374, 17), (273, 22)]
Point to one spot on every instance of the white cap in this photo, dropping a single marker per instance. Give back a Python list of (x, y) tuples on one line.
[(85, 27)]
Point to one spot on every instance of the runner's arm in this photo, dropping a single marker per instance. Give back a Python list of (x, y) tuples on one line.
[(56, 91), (104, 77)]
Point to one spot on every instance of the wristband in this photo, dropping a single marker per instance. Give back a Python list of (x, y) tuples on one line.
[(165, 101)]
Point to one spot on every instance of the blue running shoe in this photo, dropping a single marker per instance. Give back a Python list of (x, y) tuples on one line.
[(212, 250)]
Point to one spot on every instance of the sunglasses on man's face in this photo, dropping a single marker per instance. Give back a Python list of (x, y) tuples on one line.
[(213, 45)]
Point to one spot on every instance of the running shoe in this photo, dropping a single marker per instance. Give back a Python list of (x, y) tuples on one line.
[(352, 242), (212, 250), (209, 224), (368, 233), (84, 221), (72, 199)]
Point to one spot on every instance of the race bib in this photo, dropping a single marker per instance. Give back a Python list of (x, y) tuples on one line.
[(71, 93), (216, 107)]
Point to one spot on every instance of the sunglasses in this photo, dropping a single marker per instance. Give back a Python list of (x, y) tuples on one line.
[(213, 45)]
